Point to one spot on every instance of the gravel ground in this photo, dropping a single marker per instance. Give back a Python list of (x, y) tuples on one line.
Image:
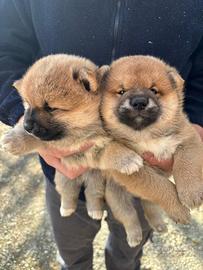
[(26, 241)]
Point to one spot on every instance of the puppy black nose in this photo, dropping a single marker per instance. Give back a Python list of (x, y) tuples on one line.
[(139, 102), (28, 125)]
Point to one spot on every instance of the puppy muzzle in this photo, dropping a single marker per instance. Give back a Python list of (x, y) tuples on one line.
[(46, 130), (138, 111), (43, 133)]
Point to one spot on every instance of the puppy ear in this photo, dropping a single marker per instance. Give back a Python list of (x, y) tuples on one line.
[(175, 79), (17, 85), (102, 72), (86, 77)]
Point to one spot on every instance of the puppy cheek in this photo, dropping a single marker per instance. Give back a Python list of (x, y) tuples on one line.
[(170, 104)]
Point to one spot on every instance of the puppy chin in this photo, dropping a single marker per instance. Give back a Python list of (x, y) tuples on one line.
[(138, 122)]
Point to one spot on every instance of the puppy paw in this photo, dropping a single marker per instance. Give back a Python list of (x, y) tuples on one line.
[(191, 196), (180, 214), (130, 163), (66, 212), (159, 227), (12, 143), (134, 237), (96, 214), (157, 223)]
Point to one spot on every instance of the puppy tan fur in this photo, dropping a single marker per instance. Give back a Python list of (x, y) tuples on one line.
[(142, 108)]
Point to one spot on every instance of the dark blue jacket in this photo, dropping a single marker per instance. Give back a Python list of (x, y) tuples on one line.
[(102, 31)]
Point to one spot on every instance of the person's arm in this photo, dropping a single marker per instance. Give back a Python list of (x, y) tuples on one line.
[(18, 50)]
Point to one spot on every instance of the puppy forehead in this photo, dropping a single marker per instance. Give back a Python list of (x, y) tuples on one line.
[(138, 62), (139, 71), (55, 84)]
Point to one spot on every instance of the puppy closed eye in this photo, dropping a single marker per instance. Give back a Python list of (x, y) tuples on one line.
[(47, 108)]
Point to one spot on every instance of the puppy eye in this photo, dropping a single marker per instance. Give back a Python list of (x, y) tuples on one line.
[(121, 92), (49, 109), (154, 90)]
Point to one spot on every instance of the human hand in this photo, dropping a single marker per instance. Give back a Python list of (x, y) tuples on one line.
[(53, 157), (165, 165)]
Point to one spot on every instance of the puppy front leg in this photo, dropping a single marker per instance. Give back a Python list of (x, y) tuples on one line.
[(114, 157), (149, 185), (69, 191), (188, 172), (120, 158), (18, 142), (122, 208)]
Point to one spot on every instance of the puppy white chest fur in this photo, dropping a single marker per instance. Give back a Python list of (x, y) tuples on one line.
[(162, 148)]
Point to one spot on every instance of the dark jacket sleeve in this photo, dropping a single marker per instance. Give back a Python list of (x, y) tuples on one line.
[(194, 88), (18, 49)]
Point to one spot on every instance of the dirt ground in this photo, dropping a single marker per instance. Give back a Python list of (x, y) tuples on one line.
[(26, 241)]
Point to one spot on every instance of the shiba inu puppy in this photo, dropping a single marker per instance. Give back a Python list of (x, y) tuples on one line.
[(142, 107)]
